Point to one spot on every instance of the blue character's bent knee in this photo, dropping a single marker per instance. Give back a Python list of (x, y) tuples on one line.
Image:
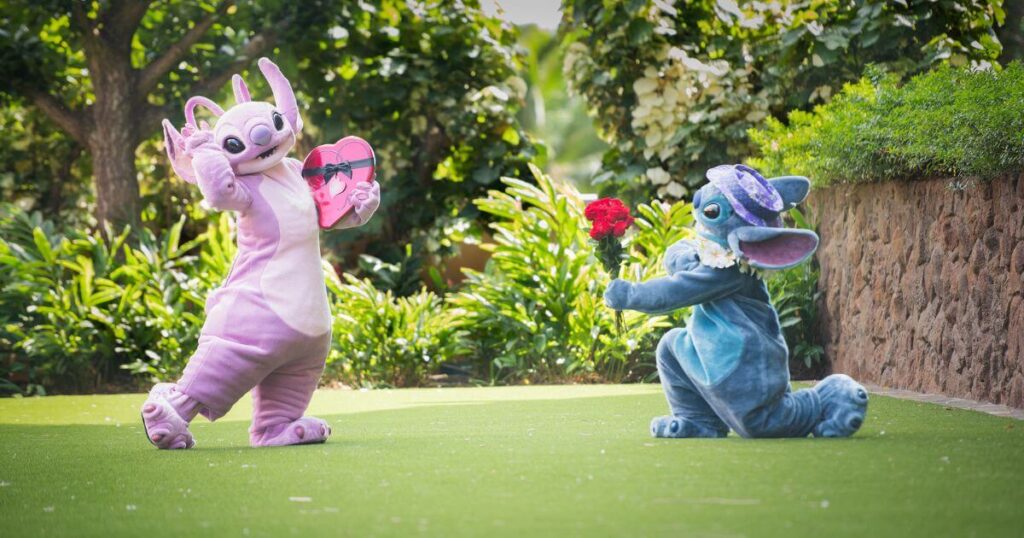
[(665, 351)]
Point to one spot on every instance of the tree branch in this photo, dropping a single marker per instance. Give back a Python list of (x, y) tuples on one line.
[(256, 46), (152, 73), (75, 124), (122, 18)]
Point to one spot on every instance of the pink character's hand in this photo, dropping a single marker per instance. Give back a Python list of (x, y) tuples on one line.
[(365, 200), (197, 140)]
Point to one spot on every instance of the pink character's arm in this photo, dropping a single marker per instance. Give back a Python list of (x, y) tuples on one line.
[(217, 181)]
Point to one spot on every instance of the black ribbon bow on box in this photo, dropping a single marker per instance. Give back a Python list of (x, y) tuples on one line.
[(345, 167)]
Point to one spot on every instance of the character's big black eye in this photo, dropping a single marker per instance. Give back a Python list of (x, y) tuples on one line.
[(278, 121), (712, 211), (233, 145)]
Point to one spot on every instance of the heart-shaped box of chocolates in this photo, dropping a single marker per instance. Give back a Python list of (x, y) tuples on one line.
[(332, 171)]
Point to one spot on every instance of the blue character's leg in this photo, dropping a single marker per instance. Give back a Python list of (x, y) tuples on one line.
[(833, 408), (691, 414), (843, 405)]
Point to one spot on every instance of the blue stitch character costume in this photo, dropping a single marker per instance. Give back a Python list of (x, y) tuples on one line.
[(729, 368)]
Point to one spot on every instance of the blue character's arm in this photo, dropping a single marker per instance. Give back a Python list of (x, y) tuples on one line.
[(688, 283)]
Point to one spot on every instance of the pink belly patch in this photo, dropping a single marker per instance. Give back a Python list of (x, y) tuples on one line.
[(332, 171)]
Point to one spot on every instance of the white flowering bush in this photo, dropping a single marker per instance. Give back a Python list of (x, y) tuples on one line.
[(675, 87)]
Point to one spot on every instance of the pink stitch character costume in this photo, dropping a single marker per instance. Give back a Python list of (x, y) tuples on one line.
[(268, 327)]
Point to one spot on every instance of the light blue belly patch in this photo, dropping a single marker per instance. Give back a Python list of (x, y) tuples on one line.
[(716, 353)]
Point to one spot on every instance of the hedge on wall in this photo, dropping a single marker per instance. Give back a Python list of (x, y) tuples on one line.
[(949, 122)]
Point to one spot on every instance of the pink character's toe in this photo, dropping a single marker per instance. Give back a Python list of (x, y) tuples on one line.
[(164, 426), (300, 431)]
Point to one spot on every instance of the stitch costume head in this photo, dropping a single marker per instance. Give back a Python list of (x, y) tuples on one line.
[(741, 210), (267, 328), (254, 136), (729, 369)]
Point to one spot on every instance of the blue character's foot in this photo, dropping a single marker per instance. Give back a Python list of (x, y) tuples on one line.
[(843, 405), (681, 428)]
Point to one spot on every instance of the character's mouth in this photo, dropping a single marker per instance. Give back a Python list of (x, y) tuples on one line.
[(267, 153)]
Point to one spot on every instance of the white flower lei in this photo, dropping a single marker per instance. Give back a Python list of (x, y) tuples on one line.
[(712, 254)]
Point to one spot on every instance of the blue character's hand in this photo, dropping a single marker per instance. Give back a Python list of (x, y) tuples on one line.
[(617, 294)]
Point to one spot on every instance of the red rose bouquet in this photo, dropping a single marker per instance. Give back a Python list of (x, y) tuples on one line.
[(610, 219)]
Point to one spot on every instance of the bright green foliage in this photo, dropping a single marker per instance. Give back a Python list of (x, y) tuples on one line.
[(572, 460), (660, 225), (380, 339), (947, 123), (77, 307), (537, 311), (674, 86), (795, 296)]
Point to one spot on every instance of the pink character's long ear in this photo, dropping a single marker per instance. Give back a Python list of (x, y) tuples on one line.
[(174, 143), (241, 90), (199, 100), (284, 97)]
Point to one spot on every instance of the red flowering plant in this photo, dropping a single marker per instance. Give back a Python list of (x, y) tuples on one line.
[(610, 219)]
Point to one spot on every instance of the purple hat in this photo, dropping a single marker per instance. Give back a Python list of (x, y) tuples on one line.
[(753, 198)]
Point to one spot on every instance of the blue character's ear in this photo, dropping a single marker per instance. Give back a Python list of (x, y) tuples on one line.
[(793, 189), (773, 248)]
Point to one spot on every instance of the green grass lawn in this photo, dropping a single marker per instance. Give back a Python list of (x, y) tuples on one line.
[(516, 461)]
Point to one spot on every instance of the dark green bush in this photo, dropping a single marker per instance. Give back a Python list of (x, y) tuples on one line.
[(795, 296), (949, 123), (537, 312), (383, 340), (79, 309)]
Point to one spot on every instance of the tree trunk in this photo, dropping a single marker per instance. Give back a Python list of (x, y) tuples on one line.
[(113, 139), (117, 188)]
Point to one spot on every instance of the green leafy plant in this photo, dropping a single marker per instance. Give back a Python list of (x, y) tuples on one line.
[(949, 122), (675, 86), (795, 296), (536, 313), (383, 340), (80, 308)]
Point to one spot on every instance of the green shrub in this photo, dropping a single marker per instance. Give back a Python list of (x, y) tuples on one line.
[(79, 308), (795, 296), (383, 340), (536, 313), (949, 122)]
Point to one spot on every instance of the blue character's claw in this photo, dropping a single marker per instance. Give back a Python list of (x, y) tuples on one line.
[(843, 405), (681, 428), (617, 294)]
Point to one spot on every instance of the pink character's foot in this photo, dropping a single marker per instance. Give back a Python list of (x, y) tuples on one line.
[(165, 428), (304, 431)]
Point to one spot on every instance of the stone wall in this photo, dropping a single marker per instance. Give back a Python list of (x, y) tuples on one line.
[(924, 285)]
